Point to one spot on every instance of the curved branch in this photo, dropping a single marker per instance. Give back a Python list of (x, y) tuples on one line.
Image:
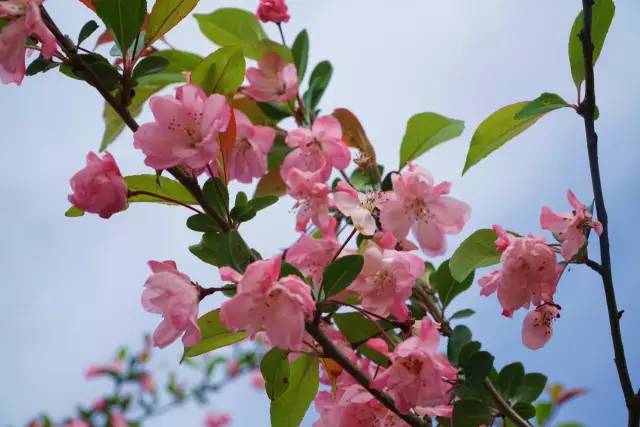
[(504, 406)]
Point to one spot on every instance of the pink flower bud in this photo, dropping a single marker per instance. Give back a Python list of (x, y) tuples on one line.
[(273, 11)]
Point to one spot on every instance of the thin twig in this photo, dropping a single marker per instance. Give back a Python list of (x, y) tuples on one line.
[(504, 406), (133, 193)]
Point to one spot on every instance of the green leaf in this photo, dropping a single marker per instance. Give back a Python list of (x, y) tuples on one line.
[(221, 72), (158, 185), (276, 112), (233, 27), (165, 15), (468, 350), (425, 131), (73, 212), (150, 65), (571, 424), (300, 52), (531, 387), (495, 131), (217, 195), (179, 60), (471, 413), (318, 82), (123, 18), (259, 203), (542, 104), (275, 371), (87, 30), (510, 378), (525, 409), (40, 65), (271, 185), (462, 314), (214, 335), (477, 250), (213, 249), (446, 286), (478, 367), (289, 409), (356, 328), (602, 15), (241, 254), (203, 223), (341, 273), (460, 336), (543, 412), (114, 125), (287, 269)]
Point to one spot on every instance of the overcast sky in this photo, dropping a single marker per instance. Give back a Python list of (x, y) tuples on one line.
[(72, 286)]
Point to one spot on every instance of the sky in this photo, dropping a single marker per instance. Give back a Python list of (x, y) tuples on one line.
[(72, 286)]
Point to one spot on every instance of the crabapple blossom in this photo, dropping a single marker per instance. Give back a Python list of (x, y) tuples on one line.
[(171, 294), (99, 187), (537, 325), (233, 367), (266, 302), (317, 149), (249, 154), (570, 228), (529, 273), (353, 406), (311, 256), (273, 11), (419, 376), (117, 420), (94, 371), (24, 20), (217, 420), (185, 130), (257, 380), (76, 423), (273, 81), (425, 208), (387, 281), (359, 206), (313, 201)]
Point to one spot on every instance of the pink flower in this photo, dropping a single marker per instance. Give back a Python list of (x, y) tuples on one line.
[(118, 420), (24, 20), (311, 256), (386, 281), (249, 155), (265, 302), (537, 326), (217, 420), (186, 129), (273, 11), (273, 81), (570, 228), (99, 187), (317, 149), (313, 201), (94, 371), (419, 376), (529, 272), (257, 380), (359, 207), (99, 405), (76, 423), (420, 205), (147, 383), (170, 293), (233, 367), (353, 406)]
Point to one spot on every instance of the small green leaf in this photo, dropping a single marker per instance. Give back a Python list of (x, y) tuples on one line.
[(123, 18), (158, 185), (602, 15), (87, 30), (525, 409), (340, 273), (478, 367), (40, 65), (241, 255), (446, 286), (165, 15), (213, 249), (425, 131), (271, 185), (150, 65), (300, 52), (462, 314), (477, 250), (259, 203), (203, 223), (542, 104), (289, 409), (318, 82), (73, 212), (214, 335), (275, 371), (468, 350), (233, 27), (460, 336), (530, 388), (543, 412), (217, 195), (471, 413), (287, 269), (495, 131), (221, 72), (275, 112), (509, 379), (356, 328)]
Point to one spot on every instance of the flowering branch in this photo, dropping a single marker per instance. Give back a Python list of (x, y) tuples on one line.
[(587, 110)]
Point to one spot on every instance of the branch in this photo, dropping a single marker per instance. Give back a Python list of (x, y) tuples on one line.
[(334, 353), (587, 109), (133, 193), (504, 406)]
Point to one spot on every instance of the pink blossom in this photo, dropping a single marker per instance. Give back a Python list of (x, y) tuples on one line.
[(273, 11), (353, 406), (233, 367), (313, 202), (24, 20), (99, 187), (94, 371), (118, 420), (425, 208), (419, 376), (273, 81), (359, 206), (529, 273), (185, 130), (170, 293), (265, 302), (76, 423), (257, 380), (311, 256), (99, 405), (537, 326), (317, 149), (147, 382), (570, 228), (217, 420), (249, 155), (386, 281)]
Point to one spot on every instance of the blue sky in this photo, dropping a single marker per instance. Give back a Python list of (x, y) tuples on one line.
[(72, 286)]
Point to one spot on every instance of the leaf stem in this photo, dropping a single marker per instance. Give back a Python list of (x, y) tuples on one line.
[(133, 193)]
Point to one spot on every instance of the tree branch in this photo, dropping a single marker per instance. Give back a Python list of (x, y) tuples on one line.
[(587, 110), (504, 406)]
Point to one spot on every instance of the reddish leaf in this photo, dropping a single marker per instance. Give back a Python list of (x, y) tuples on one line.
[(271, 185), (89, 4), (227, 141)]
